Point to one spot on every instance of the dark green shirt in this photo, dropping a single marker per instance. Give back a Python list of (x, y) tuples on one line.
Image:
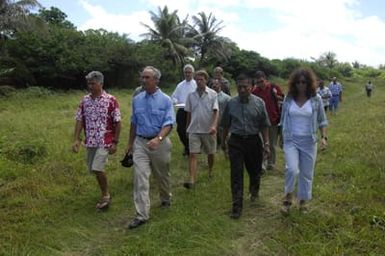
[(245, 118)]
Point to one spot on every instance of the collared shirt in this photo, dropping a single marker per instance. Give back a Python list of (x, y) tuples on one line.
[(245, 118), (151, 112), (271, 102), (223, 99), (98, 116), (335, 88), (182, 90), (325, 94), (201, 109)]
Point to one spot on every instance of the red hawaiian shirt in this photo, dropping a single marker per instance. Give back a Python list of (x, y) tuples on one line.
[(99, 116)]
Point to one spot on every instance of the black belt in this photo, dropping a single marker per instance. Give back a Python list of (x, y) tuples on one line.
[(146, 138), (245, 137)]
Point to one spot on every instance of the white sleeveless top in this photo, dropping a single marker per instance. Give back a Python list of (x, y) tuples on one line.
[(301, 118)]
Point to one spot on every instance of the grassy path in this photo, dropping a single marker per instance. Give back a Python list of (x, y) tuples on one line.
[(47, 199)]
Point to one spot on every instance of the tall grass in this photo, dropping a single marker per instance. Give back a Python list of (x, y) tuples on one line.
[(47, 198)]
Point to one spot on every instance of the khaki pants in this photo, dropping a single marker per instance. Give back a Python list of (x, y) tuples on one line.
[(145, 161)]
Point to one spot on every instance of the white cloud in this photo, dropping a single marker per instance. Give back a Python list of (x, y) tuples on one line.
[(303, 28)]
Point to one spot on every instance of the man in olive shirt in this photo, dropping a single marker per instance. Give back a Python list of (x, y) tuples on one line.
[(245, 117)]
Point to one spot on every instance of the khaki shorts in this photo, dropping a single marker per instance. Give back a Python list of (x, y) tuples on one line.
[(97, 159), (202, 141)]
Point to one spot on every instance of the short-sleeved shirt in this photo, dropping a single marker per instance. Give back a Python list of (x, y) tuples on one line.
[(271, 103), (223, 99), (151, 112), (201, 109), (335, 88), (325, 94), (182, 90), (247, 118), (99, 116)]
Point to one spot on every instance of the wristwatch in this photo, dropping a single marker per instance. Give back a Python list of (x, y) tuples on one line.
[(160, 138)]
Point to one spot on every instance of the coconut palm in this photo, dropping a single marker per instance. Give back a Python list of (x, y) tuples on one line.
[(15, 15), (169, 31), (205, 31)]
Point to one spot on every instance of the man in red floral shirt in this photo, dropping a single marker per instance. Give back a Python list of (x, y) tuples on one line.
[(273, 96), (99, 115)]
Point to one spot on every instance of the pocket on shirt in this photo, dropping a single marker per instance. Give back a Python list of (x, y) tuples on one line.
[(158, 116)]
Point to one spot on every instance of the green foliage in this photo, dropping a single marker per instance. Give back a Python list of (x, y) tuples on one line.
[(6, 90)]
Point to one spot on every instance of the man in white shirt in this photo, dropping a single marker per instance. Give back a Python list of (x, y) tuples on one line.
[(179, 96), (202, 119)]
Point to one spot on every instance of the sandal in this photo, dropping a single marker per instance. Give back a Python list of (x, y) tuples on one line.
[(104, 203)]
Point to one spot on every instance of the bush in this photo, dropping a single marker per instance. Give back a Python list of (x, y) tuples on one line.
[(6, 90), (35, 91)]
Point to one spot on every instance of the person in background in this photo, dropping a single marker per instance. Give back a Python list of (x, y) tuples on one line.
[(151, 121), (202, 120), (273, 96), (336, 89), (245, 117), (99, 115), (325, 94), (223, 99), (369, 87), (218, 74), (302, 115), (179, 96)]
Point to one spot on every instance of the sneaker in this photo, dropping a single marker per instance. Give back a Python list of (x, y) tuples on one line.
[(188, 185), (136, 223)]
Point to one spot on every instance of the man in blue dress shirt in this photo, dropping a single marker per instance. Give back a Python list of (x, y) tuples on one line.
[(151, 121)]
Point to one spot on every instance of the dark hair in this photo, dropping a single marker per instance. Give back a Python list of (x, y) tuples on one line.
[(260, 74), (242, 76), (310, 78)]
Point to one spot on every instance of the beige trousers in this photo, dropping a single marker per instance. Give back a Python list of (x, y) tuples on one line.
[(145, 162)]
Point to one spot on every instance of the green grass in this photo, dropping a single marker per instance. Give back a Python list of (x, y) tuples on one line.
[(47, 198)]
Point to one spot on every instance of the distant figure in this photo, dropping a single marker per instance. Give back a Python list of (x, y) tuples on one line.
[(223, 99), (99, 115), (218, 74), (369, 88), (273, 97), (179, 96), (336, 89), (245, 117), (302, 116), (202, 118), (151, 121), (325, 94)]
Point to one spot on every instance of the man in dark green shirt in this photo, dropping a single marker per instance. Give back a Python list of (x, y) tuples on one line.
[(246, 118)]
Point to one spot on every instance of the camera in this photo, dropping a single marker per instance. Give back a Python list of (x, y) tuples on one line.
[(127, 160)]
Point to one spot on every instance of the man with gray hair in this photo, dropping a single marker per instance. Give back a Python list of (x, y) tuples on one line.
[(151, 121), (179, 96), (99, 115)]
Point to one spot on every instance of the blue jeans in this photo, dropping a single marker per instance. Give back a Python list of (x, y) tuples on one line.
[(300, 156)]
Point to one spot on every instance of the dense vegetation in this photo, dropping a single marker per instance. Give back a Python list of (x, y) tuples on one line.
[(45, 49)]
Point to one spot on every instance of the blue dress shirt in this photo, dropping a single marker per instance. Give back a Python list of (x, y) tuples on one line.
[(151, 112)]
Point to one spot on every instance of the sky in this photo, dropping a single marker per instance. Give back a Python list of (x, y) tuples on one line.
[(303, 29)]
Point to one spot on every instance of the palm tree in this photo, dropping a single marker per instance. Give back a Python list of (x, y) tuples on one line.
[(169, 31), (15, 15), (205, 31)]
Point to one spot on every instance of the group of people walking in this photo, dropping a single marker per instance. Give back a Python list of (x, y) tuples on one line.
[(245, 126)]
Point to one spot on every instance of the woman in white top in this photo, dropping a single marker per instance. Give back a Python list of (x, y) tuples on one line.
[(302, 116)]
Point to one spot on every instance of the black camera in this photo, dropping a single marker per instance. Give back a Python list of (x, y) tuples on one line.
[(127, 160)]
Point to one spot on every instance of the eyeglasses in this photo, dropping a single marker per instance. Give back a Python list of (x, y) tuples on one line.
[(301, 82)]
